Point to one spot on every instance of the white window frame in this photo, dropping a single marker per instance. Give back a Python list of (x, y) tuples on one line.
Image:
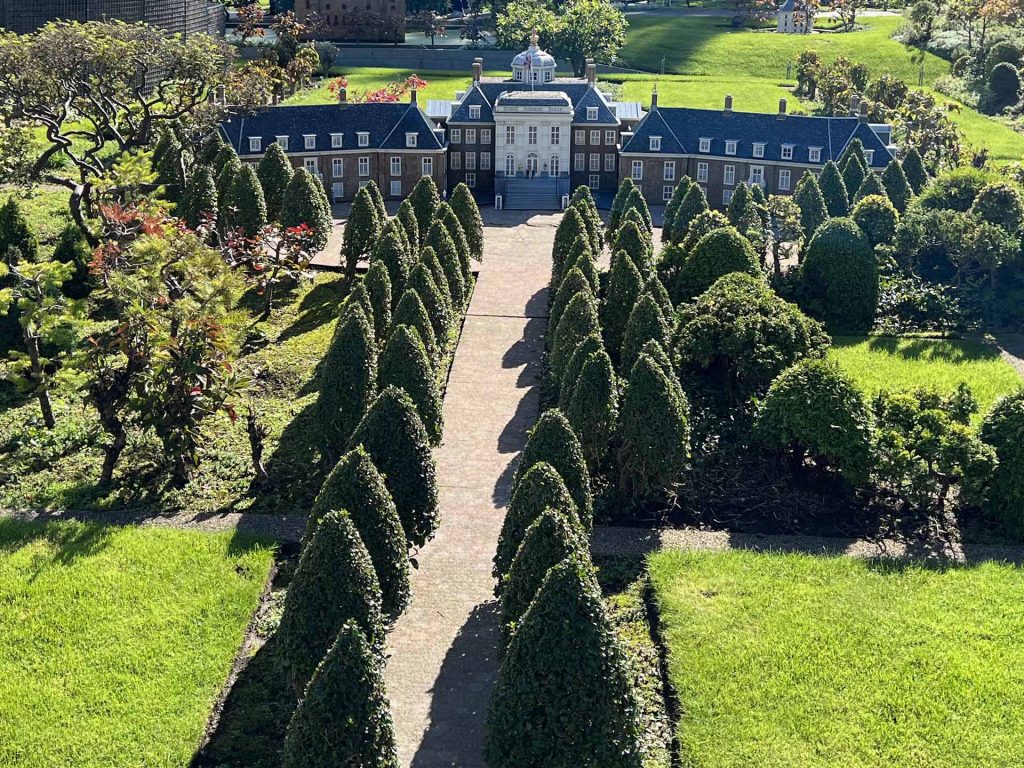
[(869, 156), (411, 140), (609, 161), (579, 162), (471, 135), (595, 163), (610, 138), (311, 165), (756, 175), (726, 196), (758, 149), (455, 161), (594, 181), (666, 192), (485, 135), (337, 140), (580, 137), (455, 136), (728, 175), (636, 171), (655, 144), (787, 152), (364, 167), (814, 154), (531, 135), (702, 172), (556, 135), (705, 145), (363, 139), (730, 146), (396, 188), (282, 142), (591, 113), (396, 165), (471, 180), (337, 168), (309, 141), (510, 135), (595, 138), (427, 166), (785, 179), (255, 143), (337, 191), (669, 171), (474, 111), (471, 161)]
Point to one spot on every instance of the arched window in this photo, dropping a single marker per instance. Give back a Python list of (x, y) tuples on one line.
[(510, 165), (554, 167)]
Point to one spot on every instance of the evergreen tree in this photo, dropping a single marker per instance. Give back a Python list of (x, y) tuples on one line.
[(581, 257), (224, 156), (811, 202), (404, 363), (361, 296), (740, 207), (390, 251), (914, 170), (334, 583), (635, 202), (411, 312), (446, 216), (571, 229), (574, 368), (225, 176), (169, 168), (853, 176), (552, 440), (573, 283), (704, 223), (393, 434), (577, 322), (637, 243), (348, 376), (672, 209), (716, 254), (274, 172), (468, 213), (344, 714), (356, 486), (833, 190), (210, 149), (654, 432), (200, 198), (646, 322), (305, 202), (871, 185), (619, 206), (694, 203), (583, 201), (71, 248), (624, 287), (656, 289), (428, 257), (424, 200), (16, 234), (422, 282), (839, 278), (378, 289), (439, 239), (761, 204), (897, 188), (594, 408), (247, 210), (571, 704), (854, 149), (378, 201), (361, 231), (410, 225)]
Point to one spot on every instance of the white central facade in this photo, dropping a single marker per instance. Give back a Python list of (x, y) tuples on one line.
[(533, 133)]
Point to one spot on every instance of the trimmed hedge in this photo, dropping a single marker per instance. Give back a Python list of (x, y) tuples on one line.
[(390, 250), (694, 203), (583, 201), (839, 277), (446, 216), (877, 218), (429, 258), (872, 185), (575, 282), (624, 288), (552, 440), (411, 312), (577, 322), (393, 434), (424, 201), (434, 301), (305, 202), (716, 254), (914, 170), (274, 172), (1003, 429), (853, 176), (703, 223), (574, 368), (405, 364), (619, 207), (646, 322), (594, 407), (468, 213), (672, 210), (378, 289)]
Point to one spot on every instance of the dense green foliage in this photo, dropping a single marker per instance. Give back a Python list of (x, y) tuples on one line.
[(424, 201), (434, 300), (877, 218), (839, 277), (897, 188), (833, 190), (348, 379), (593, 408), (647, 322), (378, 291), (811, 201), (577, 322), (274, 172), (466, 209), (412, 313), (552, 440), (305, 202), (391, 251), (624, 287), (716, 254), (404, 363), (1003, 429), (362, 228), (200, 203)]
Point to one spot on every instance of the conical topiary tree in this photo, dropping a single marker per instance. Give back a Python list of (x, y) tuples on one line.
[(717, 253), (549, 540), (72, 248), (224, 180), (656, 288), (200, 203), (594, 408), (914, 170), (356, 486), (410, 225), (440, 241), (813, 211), (428, 257), (839, 277), (404, 363), (637, 243), (451, 223), (344, 714), (833, 190), (247, 210), (378, 201), (577, 322), (658, 354), (618, 207), (676, 201), (574, 368), (854, 149), (552, 440), (390, 251), (540, 488), (422, 282), (210, 148), (570, 230), (169, 168), (573, 283), (563, 696), (393, 434), (897, 188), (16, 233), (348, 377), (694, 203), (378, 288), (871, 185), (468, 212), (361, 230), (424, 201), (274, 172), (583, 201), (646, 322), (853, 177), (361, 296), (334, 583), (411, 312), (624, 287), (741, 205), (654, 432), (224, 155), (582, 258), (635, 202), (305, 202)]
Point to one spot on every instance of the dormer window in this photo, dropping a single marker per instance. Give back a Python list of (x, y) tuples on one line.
[(730, 147), (787, 151), (549, 75), (282, 142), (705, 145), (591, 113), (758, 149), (655, 143), (363, 139), (337, 140), (519, 75), (869, 155), (474, 112), (814, 154), (410, 140), (255, 143)]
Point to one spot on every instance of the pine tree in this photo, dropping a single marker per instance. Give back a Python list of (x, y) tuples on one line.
[(635, 202), (378, 289), (574, 368), (424, 200), (811, 202), (393, 434), (646, 322), (594, 408), (897, 188), (411, 312), (344, 714), (444, 247), (854, 149), (210, 149), (563, 695), (573, 283), (673, 208), (390, 251), (468, 212), (16, 234), (348, 378), (871, 185), (440, 314), (410, 225), (428, 257), (334, 583), (853, 176), (914, 170), (274, 172), (247, 210), (637, 243), (71, 248), (624, 287), (224, 156), (378, 201), (168, 167), (225, 176), (577, 322), (200, 197), (694, 203), (404, 363), (361, 231), (552, 440), (619, 206), (583, 201), (355, 485), (571, 229), (833, 190), (581, 257), (305, 202)]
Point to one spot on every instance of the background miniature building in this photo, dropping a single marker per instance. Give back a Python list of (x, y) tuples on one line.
[(184, 17), (375, 21), (794, 18)]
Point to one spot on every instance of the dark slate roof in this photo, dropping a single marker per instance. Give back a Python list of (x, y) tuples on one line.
[(387, 125), (485, 94), (475, 96), (682, 128), (593, 98)]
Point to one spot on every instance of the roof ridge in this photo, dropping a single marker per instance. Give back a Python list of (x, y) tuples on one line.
[(669, 128), (395, 126)]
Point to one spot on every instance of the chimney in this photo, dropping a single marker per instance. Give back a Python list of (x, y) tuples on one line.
[(275, 97), (478, 69), (782, 109), (863, 116), (654, 97), (591, 71), (222, 98), (854, 104), (342, 94), (728, 105), (413, 96)]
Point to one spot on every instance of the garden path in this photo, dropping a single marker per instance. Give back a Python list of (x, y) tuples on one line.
[(442, 651)]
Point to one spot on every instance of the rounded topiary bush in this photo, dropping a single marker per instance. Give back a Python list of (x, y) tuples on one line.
[(356, 486), (839, 277), (877, 219), (813, 410), (335, 582), (563, 695), (1001, 204), (703, 223), (718, 253), (394, 436), (594, 407), (344, 713), (411, 312), (1003, 86), (404, 364), (646, 322), (552, 440), (1003, 429), (540, 488), (549, 540)]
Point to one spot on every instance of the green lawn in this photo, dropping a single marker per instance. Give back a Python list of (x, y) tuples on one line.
[(880, 363), (440, 85), (796, 661), (117, 641), (45, 208)]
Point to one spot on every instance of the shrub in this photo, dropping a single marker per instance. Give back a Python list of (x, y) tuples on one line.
[(632, 239), (839, 277), (446, 216), (72, 248), (393, 434), (854, 174), (833, 190), (16, 233), (635, 202), (811, 201), (438, 310), (570, 230), (378, 201), (274, 172), (672, 210), (594, 407), (348, 378), (872, 185), (624, 287), (411, 312), (356, 486), (877, 219), (1003, 430), (468, 213), (550, 539), (405, 364), (563, 695), (619, 206), (344, 712), (305, 202), (573, 284), (428, 257), (954, 189), (224, 181), (539, 488), (738, 336), (703, 223), (654, 432), (574, 368), (854, 149), (815, 410), (914, 170), (718, 253), (1003, 86), (1000, 204), (583, 201), (1003, 51), (657, 291), (424, 201), (552, 440), (410, 225), (200, 203), (166, 162), (646, 322), (577, 322), (443, 246), (582, 258), (361, 231), (390, 251), (897, 188), (693, 205), (334, 583), (378, 289)]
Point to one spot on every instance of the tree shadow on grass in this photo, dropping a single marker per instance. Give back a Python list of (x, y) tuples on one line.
[(71, 540), (318, 307), (925, 349)]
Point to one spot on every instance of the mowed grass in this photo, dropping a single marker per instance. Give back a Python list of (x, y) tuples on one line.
[(117, 641), (440, 85), (797, 661), (879, 363)]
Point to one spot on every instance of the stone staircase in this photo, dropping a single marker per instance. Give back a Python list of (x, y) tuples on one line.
[(540, 194)]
